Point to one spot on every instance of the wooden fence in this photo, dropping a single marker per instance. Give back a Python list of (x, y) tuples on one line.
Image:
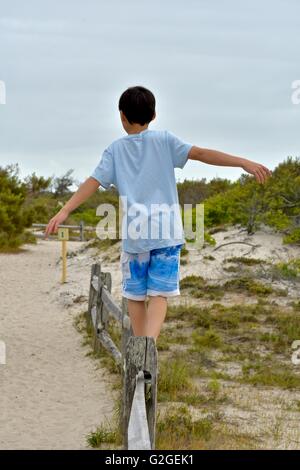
[(81, 228), (137, 359)]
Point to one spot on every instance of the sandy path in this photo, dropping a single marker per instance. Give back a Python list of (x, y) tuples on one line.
[(52, 395)]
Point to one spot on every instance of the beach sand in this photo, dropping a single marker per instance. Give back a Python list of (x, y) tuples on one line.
[(52, 394)]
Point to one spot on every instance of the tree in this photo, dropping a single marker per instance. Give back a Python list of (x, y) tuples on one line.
[(196, 191), (283, 195), (246, 202), (37, 184), (13, 216), (63, 183)]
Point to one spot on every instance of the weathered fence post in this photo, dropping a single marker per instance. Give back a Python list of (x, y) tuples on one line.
[(93, 295), (126, 328), (141, 359), (126, 334), (81, 230), (106, 283)]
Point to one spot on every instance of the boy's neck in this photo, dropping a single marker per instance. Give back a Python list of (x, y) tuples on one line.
[(137, 128)]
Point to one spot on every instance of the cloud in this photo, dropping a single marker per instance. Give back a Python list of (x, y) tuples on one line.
[(221, 73)]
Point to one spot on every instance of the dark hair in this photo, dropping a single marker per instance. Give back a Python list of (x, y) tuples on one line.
[(138, 105)]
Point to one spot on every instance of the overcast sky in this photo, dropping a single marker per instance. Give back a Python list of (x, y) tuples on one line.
[(221, 71)]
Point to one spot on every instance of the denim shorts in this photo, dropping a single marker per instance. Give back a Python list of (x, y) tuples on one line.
[(154, 272)]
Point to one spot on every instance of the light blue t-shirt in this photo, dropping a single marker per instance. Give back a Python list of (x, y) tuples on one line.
[(141, 167)]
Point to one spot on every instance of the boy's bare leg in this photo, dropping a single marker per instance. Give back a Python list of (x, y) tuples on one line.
[(155, 315), (147, 321), (137, 314)]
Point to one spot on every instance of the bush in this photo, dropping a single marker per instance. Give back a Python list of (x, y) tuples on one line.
[(14, 218), (246, 202)]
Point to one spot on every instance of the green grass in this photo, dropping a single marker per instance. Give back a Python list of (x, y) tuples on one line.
[(232, 269), (109, 432), (247, 285), (217, 315), (177, 430), (210, 339), (289, 326), (227, 320), (194, 398), (162, 343), (289, 270), (244, 260), (270, 338), (232, 316), (274, 375), (169, 337), (214, 388), (296, 306), (192, 281), (210, 292), (235, 331), (198, 287), (286, 329), (182, 312), (174, 378), (104, 434)]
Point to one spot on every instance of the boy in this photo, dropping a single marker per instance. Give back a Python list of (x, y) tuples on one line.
[(141, 166)]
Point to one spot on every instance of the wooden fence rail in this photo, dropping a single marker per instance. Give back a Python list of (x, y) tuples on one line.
[(81, 228), (137, 360)]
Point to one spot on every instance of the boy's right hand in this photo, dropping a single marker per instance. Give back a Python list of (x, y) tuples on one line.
[(58, 219)]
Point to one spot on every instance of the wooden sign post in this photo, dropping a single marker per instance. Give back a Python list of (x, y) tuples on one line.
[(63, 235)]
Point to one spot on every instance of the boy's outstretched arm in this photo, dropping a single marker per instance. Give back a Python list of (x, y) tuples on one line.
[(84, 191), (214, 157)]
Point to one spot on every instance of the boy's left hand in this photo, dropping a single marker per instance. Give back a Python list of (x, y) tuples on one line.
[(260, 172)]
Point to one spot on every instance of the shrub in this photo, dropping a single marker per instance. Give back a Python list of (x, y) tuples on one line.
[(14, 218)]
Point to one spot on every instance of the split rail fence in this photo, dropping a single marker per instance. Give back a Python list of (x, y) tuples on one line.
[(81, 228), (137, 360)]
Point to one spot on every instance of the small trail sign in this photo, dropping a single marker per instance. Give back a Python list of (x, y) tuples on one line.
[(63, 234)]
